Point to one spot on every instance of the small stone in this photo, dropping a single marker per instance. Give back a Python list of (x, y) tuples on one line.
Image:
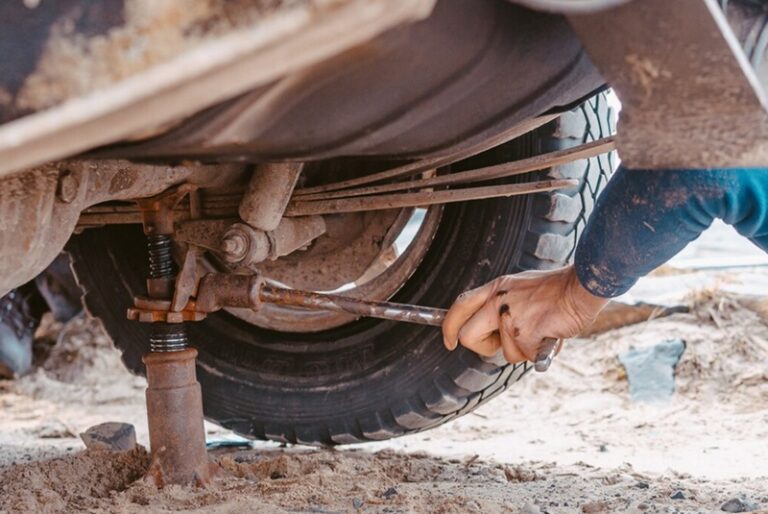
[(651, 371), (738, 505), (643, 506), (113, 437), (357, 503), (679, 495), (530, 508), (389, 493), (603, 448), (642, 485), (519, 474)]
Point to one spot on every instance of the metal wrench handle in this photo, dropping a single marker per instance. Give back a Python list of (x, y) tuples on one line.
[(383, 310), (331, 302)]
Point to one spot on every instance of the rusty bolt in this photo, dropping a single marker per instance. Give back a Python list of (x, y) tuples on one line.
[(68, 187), (234, 246)]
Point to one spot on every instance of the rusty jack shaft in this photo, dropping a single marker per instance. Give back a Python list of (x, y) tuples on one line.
[(174, 397), (175, 413)]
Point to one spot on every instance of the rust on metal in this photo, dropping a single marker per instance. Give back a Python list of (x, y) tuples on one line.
[(423, 165), (268, 193), (228, 290), (157, 211), (223, 205), (422, 198), (382, 310), (148, 310), (218, 290), (186, 281), (391, 311), (507, 169), (245, 246), (43, 212), (204, 233), (175, 414)]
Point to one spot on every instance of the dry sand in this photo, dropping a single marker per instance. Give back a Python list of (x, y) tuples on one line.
[(567, 441)]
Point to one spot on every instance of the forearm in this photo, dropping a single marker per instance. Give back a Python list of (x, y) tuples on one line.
[(645, 217)]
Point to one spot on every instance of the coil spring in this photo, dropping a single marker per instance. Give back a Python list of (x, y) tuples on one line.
[(161, 263), (164, 337), (168, 338)]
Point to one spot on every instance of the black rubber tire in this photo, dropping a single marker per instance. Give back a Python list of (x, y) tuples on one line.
[(368, 380)]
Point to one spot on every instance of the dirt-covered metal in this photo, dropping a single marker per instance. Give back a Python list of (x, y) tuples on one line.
[(267, 195), (244, 246), (175, 414), (174, 398), (690, 98), (422, 198), (40, 212), (137, 75), (507, 169)]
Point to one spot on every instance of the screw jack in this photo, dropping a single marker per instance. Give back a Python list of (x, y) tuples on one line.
[(174, 398)]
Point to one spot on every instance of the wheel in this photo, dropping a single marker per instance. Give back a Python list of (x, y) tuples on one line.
[(367, 379)]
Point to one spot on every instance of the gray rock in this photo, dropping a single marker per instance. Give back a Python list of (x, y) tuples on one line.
[(357, 503), (739, 505), (113, 437), (651, 371), (679, 495), (389, 493)]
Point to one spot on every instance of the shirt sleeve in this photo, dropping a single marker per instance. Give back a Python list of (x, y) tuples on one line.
[(644, 217)]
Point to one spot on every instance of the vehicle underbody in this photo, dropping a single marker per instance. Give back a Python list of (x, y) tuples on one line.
[(386, 150)]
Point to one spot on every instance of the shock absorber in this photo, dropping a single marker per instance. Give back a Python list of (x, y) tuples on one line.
[(174, 398)]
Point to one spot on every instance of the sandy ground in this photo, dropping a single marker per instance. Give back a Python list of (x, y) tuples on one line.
[(567, 441)]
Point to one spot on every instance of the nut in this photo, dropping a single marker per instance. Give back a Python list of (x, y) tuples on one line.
[(68, 187), (234, 246)]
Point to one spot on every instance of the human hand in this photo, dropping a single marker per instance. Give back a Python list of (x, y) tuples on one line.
[(517, 312)]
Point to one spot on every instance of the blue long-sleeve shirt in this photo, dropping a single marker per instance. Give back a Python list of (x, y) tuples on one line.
[(644, 217)]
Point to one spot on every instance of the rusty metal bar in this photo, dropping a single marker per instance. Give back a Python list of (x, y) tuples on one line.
[(507, 169), (423, 198), (413, 168), (222, 290), (128, 215), (225, 205), (382, 310), (391, 311)]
